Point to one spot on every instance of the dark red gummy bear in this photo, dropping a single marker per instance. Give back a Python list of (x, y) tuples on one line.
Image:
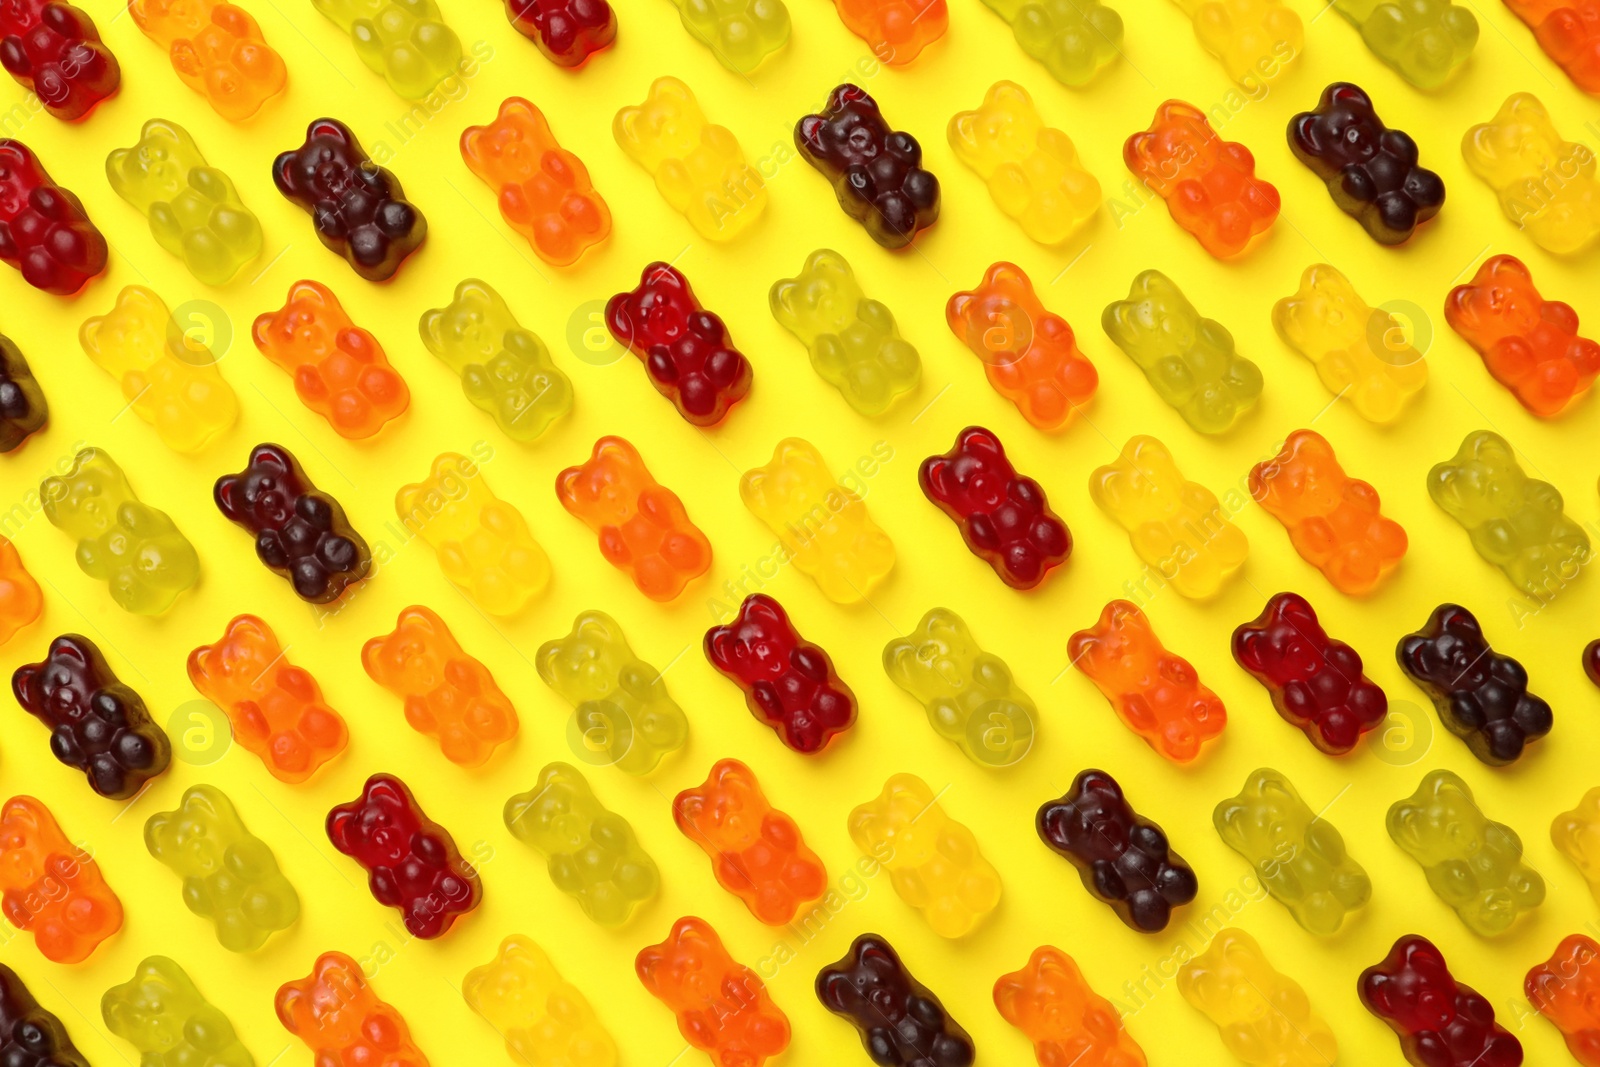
[(44, 231), (788, 682), (1591, 661), (685, 348), (1316, 682), (55, 50), (23, 410), (1371, 171), (876, 172), (1482, 697), (1440, 1022), (1123, 858), (301, 532), (566, 31), (1004, 517), (358, 208), (901, 1022), (30, 1036), (412, 862)]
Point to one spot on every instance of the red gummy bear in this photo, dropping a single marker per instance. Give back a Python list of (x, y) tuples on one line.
[(685, 348), (1530, 344), (1566, 990), (568, 32), (1316, 682), (55, 50), (44, 231), (1440, 1022), (336, 1013), (1004, 517), (1569, 33), (788, 682), (723, 1007), (412, 862)]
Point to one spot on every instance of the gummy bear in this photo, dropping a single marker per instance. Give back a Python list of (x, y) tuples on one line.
[(449, 695), (934, 862), (340, 371), (757, 852), (855, 346), (1264, 1017), (301, 533), (136, 550), (1515, 522), (1566, 990), (194, 210), (896, 30), (544, 191), (1156, 693), (1546, 186), (29, 1033), (1122, 857), (1569, 33), (1371, 171), (1177, 527), (1529, 344), (44, 231), (341, 1020), (1189, 361), (591, 853), (722, 1007), (54, 50), (483, 543), (1440, 1022), (740, 33), (544, 1019), (217, 50), (622, 712), (823, 527), (1361, 353), (876, 172), (167, 375), (1069, 1024), (357, 207), (405, 41), (568, 32), (1482, 696), (1254, 40), (161, 1013), (643, 527), (1316, 682), (699, 168), (1333, 520), (1576, 835), (1030, 355), (276, 709), (970, 696), (1003, 516), (1032, 170), (23, 409), (21, 600), (98, 724), (412, 862), (1209, 184), (504, 369), (52, 887), (789, 683), (1423, 41), (230, 875), (685, 349), (1298, 855), (1074, 39), (901, 1021)]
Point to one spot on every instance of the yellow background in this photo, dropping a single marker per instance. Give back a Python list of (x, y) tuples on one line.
[(1043, 902)]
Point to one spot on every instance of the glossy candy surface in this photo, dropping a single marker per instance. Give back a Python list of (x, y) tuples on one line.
[(52, 887), (54, 51), (1439, 1021), (1576, 835), (740, 33), (722, 1007), (900, 1020), (405, 41), (545, 1020), (23, 409), (44, 231), (21, 599), (568, 32), (341, 1020), (895, 30), (217, 50), (1069, 1024), (1265, 1019), (161, 1013), (1254, 40), (30, 1034), (1569, 33), (1424, 41), (1519, 153), (1074, 39), (1566, 990)]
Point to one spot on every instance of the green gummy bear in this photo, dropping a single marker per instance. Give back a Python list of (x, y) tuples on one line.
[(1072, 38), (161, 1013), (740, 33), (1424, 41), (405, 41)]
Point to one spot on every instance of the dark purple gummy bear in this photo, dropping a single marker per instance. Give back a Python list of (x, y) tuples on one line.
[(901, 1022), (23, 410), (30, 1036)]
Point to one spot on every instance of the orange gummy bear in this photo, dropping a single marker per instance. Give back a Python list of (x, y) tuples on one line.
[(896, 30), (449, 695), (1569, 33), (1333, 520), (1566, 990), (544, 191), (339, 369), (52, 886), (1156, 693), (276, 708), (342, 1021), (643, 527), (20, 597), (723, 1007), (218, 51), (1069, 1024), (756, 851), (1030, 355)]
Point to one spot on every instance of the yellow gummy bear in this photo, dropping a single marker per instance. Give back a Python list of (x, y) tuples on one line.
[(822, 526), (699, 168), (1576, 835), (1254, 40), (1265, 1018), (168, 377), (1546, 186), (406, 41), (1032, 169), (545, 1020), (1177, 527), (1361, 353), (483, 543)]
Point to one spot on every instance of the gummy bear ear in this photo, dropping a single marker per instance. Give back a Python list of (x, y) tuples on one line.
[(1510, 267), (225, 494)]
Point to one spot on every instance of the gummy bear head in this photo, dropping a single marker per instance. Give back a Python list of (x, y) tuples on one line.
[(1344, 129), (935, 656), (415, 657), (1156, 317), (28, 837), (1412, 988), (1481, 482), (1326, 306), (156, 169), (1005, 126), (519, 986), (1303, 481), (170, 19), (155, 1009), (557, 815), (381, 825), (194, 839), (689, 968), (606, 489), (728, 812), (85, 500), (996, 320), (1121, 648), (235, 667), (132, 335), (793, 484), (902, 821), (1142, 486), (1268, 818), (265, 494), (472, 328), (511, 149), (1500, 299), (1519, 139), (587, 663), (20, 174), (823, 298), (307, 326), (668, 125)]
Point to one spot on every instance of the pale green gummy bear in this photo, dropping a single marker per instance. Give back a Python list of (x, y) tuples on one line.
[(740, 33), (406, 41), (161, 1013), (1424, 41), (1072, 38)]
